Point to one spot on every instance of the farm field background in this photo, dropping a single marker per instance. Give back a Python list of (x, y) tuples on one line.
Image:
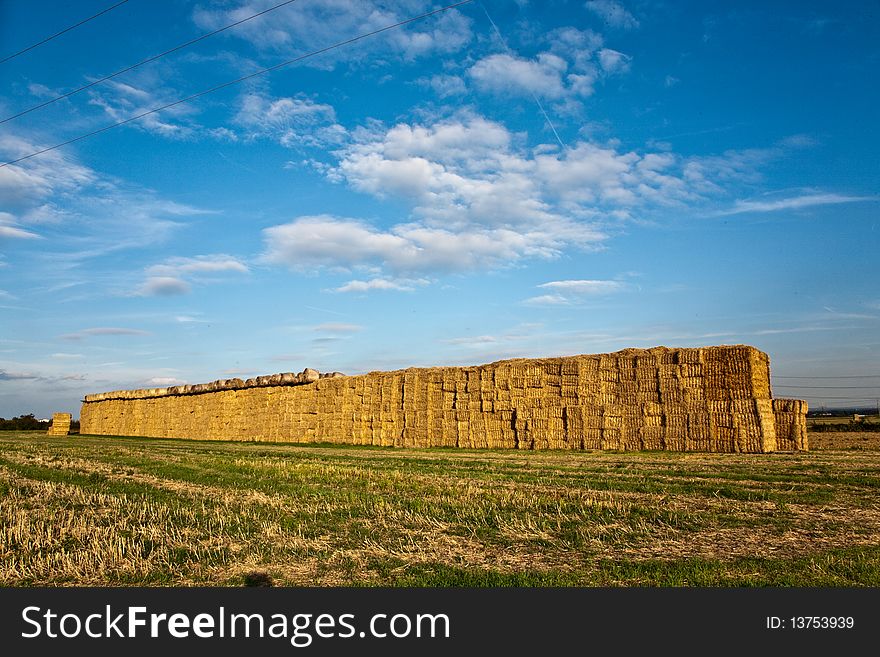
[(82, 510)]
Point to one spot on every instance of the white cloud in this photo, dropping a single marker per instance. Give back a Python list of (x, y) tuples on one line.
[(47, 213), (102, 331), (455, 172), (572, 292), (793, 203), (169, 278), (469, 169), (17, 376), (613, 13), (26, 185), (405, 285), (565, 73), (480, 200), (324, 240), (203, 264), (708, 173), (310, 242), (290, 121), (614, 62), (163, 286), (584, 287), (17, 233), (471, 340), (102, 213), (548, 300), (445, 85), (308, 26), (577, 46), (505, 74), (123, 100), (165, 381), (337, 327)]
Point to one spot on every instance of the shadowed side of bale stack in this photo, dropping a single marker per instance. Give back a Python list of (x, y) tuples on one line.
[(714, 399), (791, 424)]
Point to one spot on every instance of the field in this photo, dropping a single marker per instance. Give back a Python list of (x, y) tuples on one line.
[(872, 422), (123, 511), (822, 440)]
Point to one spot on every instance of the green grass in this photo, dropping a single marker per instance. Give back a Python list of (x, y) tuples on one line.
[(129, 511)]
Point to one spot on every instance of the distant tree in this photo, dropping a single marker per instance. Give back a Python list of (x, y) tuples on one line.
[(27, 422)]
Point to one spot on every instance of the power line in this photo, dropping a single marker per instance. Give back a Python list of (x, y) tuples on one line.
[(851, 399), (832, 387), (58, 34), (532, 93), (145, 61), (855, 376), (236, 81)]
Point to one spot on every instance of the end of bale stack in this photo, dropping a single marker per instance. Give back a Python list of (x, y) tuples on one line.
[(790, 417), (60, 425)]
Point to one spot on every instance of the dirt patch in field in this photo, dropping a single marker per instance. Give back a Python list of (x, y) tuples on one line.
[(844, 440)]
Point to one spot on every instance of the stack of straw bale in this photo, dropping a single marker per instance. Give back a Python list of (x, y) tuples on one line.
[(60, 425), (791, 424), (714, 399)]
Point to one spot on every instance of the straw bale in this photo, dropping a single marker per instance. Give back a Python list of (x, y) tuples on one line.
[(652, 437)]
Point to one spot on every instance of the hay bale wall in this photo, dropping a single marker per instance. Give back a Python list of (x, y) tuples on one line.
[(714, 399)]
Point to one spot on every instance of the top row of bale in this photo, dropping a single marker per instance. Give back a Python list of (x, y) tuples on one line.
[(308, 375), (740, 369)]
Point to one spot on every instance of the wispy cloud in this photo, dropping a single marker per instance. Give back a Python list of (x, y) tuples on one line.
[(17, 376), (445, 85), (165, 381), (310, 26), (102, 331), (17, 233), (471, 340), (614, 62), (202, 264), (337, 327), (170, 277), (548, 300), (163, 286), (100, 213), (585, 287), (571, 292), (373, 284), (291, 122), (613, 13), (122, 100), (793, 203)]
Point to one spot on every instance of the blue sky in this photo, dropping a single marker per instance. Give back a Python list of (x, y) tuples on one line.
[(590, 176)]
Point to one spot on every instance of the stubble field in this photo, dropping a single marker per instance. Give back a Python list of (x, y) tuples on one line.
[(78, 511)]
